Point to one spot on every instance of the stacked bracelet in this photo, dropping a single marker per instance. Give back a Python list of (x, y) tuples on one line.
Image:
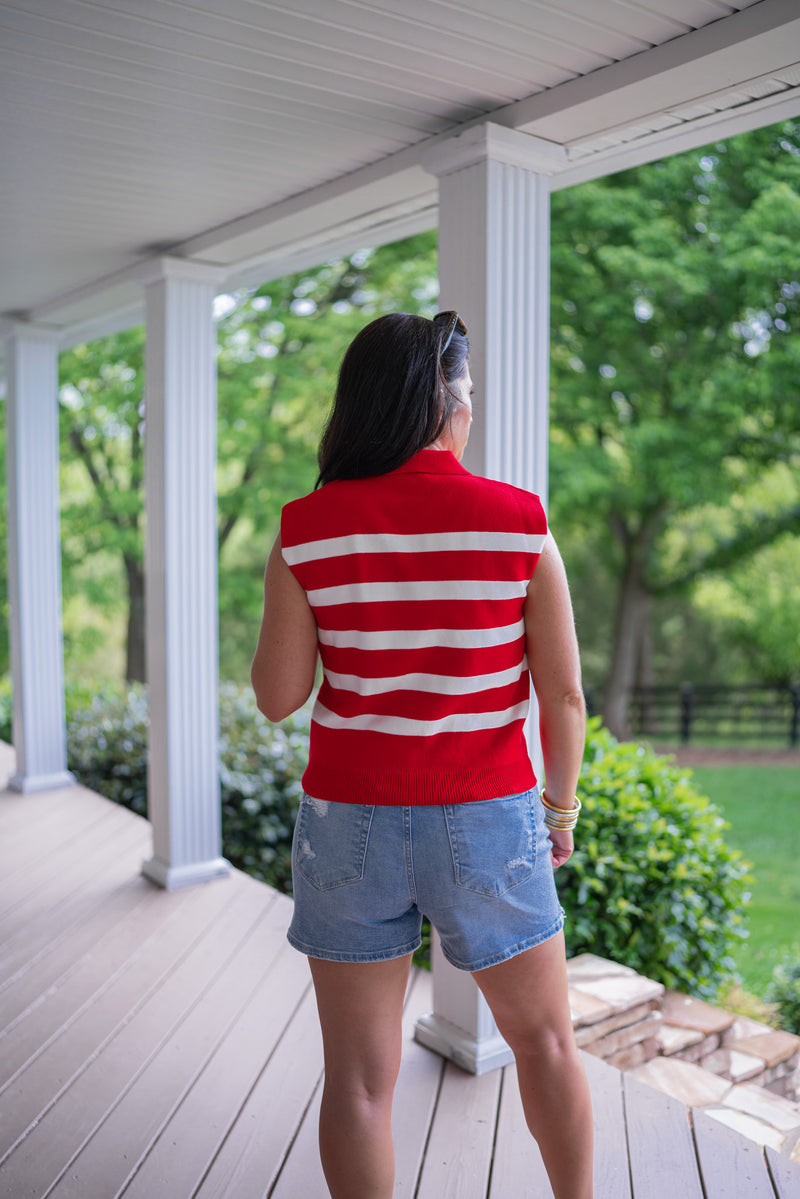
[(563, 819)]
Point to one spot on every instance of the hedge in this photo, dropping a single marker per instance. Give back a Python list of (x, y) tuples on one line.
[(651, 883), (784, 992), (260, 770)]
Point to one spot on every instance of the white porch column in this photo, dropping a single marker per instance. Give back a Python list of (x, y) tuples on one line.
[(494, 256), (181, 575), (34, 560)]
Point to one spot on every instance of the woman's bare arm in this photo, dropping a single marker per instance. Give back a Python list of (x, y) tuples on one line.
[(285, 660), (554, 663)]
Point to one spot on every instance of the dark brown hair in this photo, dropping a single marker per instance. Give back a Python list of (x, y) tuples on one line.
[(393, 397)]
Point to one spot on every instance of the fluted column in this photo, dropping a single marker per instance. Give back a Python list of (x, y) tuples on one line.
[(494, 269), (34, 560), (181, 575)]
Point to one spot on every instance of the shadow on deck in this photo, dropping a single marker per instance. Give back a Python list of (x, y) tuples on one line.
[(159, 1044)]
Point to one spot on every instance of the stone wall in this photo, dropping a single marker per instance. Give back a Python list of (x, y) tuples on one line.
[(742, 1073)]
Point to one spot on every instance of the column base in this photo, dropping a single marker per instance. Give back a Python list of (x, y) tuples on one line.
[(172, 878), (459, 1046), (28, 783)]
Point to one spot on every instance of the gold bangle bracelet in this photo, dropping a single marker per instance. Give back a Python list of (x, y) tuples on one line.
[(576, 806), (561, 819)]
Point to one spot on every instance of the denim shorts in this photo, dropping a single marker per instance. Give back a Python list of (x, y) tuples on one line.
[(364, 875)]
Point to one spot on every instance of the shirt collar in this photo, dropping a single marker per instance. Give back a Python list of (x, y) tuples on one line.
[(432, 462)]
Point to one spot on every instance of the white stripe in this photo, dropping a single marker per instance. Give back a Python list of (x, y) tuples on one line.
[(402, 726), (438, 684), (419, 589), (413, 543), (421, 638)]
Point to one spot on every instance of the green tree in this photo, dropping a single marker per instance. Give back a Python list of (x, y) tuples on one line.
[(674, 373), (101, 399)]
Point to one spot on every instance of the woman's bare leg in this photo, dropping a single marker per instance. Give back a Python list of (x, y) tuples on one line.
[(360, 1009), (528, 998)]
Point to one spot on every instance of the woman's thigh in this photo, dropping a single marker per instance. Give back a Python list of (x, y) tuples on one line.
[(528, 995), (360, 1008)]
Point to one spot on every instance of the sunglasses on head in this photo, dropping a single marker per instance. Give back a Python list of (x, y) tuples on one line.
[(451, 323)]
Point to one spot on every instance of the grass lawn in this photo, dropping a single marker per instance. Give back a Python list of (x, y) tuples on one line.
[(762, 805)]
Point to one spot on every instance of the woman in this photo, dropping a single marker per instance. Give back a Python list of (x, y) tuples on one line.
[(433, 597)]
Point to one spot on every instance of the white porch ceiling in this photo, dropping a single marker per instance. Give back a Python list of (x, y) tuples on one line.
[(263, 135)]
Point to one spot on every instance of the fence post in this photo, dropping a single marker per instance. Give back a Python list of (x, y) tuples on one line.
[(795, 725), (687, 693)]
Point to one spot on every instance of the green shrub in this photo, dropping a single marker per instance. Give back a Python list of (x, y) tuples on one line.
[(651, 884), (260, 769), (784, 992), (6, 706), (107, 743)]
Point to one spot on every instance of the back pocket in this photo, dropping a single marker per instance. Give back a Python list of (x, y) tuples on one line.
[(330, 842), (493, 843)]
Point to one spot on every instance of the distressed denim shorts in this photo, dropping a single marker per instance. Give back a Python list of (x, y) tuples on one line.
[(364, 875)]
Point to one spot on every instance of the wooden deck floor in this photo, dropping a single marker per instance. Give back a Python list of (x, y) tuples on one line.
[(165, 1046)]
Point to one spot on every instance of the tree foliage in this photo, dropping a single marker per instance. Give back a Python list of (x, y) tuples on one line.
[(676, 298), (102, 512)]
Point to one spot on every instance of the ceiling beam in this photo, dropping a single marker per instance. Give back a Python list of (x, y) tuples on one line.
[(757, 41)]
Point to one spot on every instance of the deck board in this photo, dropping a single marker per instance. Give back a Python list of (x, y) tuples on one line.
[(73, 967), (96, 1081), (31, 933), (459, 1153), (160, 1045), (660, 1146), (189, 1141), (187, 1061), (76, 1036), (730, 1164), (416, 1092), (784, 1173), (611, 1170), (253, 1153), (518, 1166)]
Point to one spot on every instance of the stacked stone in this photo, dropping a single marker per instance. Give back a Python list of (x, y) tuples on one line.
[(733, 1047), (615, 1011), (742, 1073)]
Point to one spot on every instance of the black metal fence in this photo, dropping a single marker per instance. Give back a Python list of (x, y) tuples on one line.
[(716, 715)]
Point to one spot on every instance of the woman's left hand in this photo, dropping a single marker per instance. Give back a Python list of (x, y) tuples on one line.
[(563, 846)]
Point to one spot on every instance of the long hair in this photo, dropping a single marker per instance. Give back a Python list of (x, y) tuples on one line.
[(393, 397)]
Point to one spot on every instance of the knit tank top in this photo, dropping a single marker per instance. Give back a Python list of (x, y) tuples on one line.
[(417, 580)]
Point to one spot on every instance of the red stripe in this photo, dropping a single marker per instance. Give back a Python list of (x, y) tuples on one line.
[(387, 663), (422, 705), (423, 614), (382, 568), (367, 752)]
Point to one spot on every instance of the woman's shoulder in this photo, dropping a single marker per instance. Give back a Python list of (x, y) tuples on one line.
[(508, 498), (320, 513)]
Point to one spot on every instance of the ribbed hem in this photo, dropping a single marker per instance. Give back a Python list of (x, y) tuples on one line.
[(412, 790)]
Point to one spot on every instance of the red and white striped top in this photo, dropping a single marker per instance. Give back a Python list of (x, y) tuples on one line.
[(417, 580)]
